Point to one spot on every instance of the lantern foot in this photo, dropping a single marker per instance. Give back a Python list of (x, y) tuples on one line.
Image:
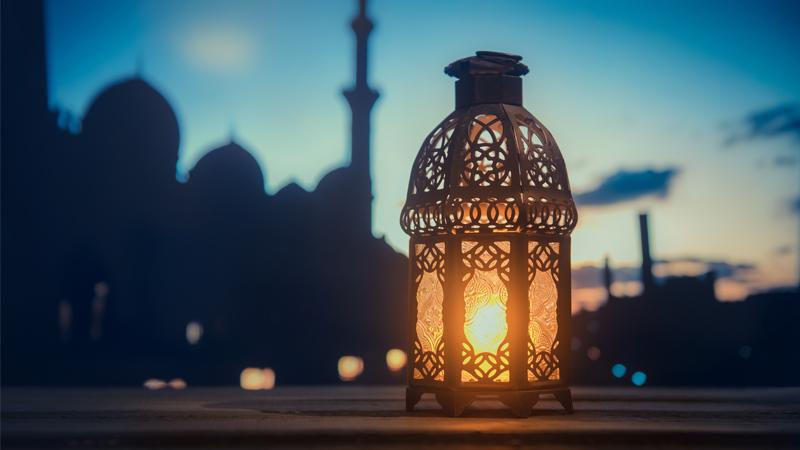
[(564, 396), (520, 403), (454, 403), (412, 398)]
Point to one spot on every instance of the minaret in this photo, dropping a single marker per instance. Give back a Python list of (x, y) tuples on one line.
[(647, 261), (361, 99)]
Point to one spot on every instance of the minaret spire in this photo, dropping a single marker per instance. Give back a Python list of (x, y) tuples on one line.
[(647, 261), (361, 99), (608, 278)]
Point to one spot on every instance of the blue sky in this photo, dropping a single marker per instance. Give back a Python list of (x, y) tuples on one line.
[(627, 88)]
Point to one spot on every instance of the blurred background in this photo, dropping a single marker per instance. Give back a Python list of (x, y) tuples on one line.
[(187, 194)]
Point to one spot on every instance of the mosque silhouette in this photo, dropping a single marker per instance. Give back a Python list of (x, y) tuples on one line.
[(107, 257)]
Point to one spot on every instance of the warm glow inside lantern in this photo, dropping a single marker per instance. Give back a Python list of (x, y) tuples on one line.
[(489, 212)]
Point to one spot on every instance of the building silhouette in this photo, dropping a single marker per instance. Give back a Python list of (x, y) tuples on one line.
[(107, 258), (647, 261), (678, 333)]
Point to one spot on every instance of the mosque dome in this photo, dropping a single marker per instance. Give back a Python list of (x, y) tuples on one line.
[(229, 168), (133, 124), (336, 181)]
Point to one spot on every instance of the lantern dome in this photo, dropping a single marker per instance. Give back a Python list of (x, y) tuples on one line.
[(490, 166)]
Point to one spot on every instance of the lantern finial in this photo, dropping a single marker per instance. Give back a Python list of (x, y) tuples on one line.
[(487, 63), (488, 77)]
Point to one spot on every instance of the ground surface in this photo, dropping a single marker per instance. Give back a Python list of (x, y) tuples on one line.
[(347, 416)]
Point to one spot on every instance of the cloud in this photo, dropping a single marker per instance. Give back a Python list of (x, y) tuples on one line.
[(779, 120), (690, 266), (628, 185), (589, 276), (785, 160), (592, 276), (734, 281)]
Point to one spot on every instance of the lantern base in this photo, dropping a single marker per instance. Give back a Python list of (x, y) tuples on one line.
[(520, 402)]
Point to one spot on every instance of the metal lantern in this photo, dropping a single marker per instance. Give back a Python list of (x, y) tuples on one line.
[(489, 212)]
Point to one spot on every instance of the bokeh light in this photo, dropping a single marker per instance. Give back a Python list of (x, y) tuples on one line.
[(350, 367), (251, 379), (154, 384), (194, 332), (593, 353), (178, 384), (255, 379), (619, 370), (268, 380), (396, 359), (639, 378)]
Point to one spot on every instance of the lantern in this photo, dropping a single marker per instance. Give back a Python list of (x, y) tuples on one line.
[(489, 212)]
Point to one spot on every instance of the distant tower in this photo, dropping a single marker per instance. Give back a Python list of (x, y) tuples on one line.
[(608, 278), (361, 99), (647, 261)]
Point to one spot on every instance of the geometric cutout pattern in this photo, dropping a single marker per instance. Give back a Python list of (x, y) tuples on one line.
[(489, 168), (486, 155), (430, 167)]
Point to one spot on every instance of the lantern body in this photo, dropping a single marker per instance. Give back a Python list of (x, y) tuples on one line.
[(489, 212)]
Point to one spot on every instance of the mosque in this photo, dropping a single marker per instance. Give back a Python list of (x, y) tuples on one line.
[(107, 258)]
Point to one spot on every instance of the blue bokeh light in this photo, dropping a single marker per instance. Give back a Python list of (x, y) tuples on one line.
[(618, 370), (639, 378)]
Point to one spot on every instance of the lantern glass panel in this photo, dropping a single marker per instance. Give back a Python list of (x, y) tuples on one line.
[(543, 311), (429, 342), (486, 343)]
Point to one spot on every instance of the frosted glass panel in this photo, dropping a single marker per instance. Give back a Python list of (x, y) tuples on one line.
[(485, 347), (543, 304), (429, 343)]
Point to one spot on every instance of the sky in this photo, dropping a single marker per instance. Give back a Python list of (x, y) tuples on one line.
[(687, 110)]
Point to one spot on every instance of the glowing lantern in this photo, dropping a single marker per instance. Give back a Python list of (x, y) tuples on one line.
[(489, 212), (350, 367), (395, 359)]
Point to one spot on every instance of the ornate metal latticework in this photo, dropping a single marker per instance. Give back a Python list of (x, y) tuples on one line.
[(489, 211)]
